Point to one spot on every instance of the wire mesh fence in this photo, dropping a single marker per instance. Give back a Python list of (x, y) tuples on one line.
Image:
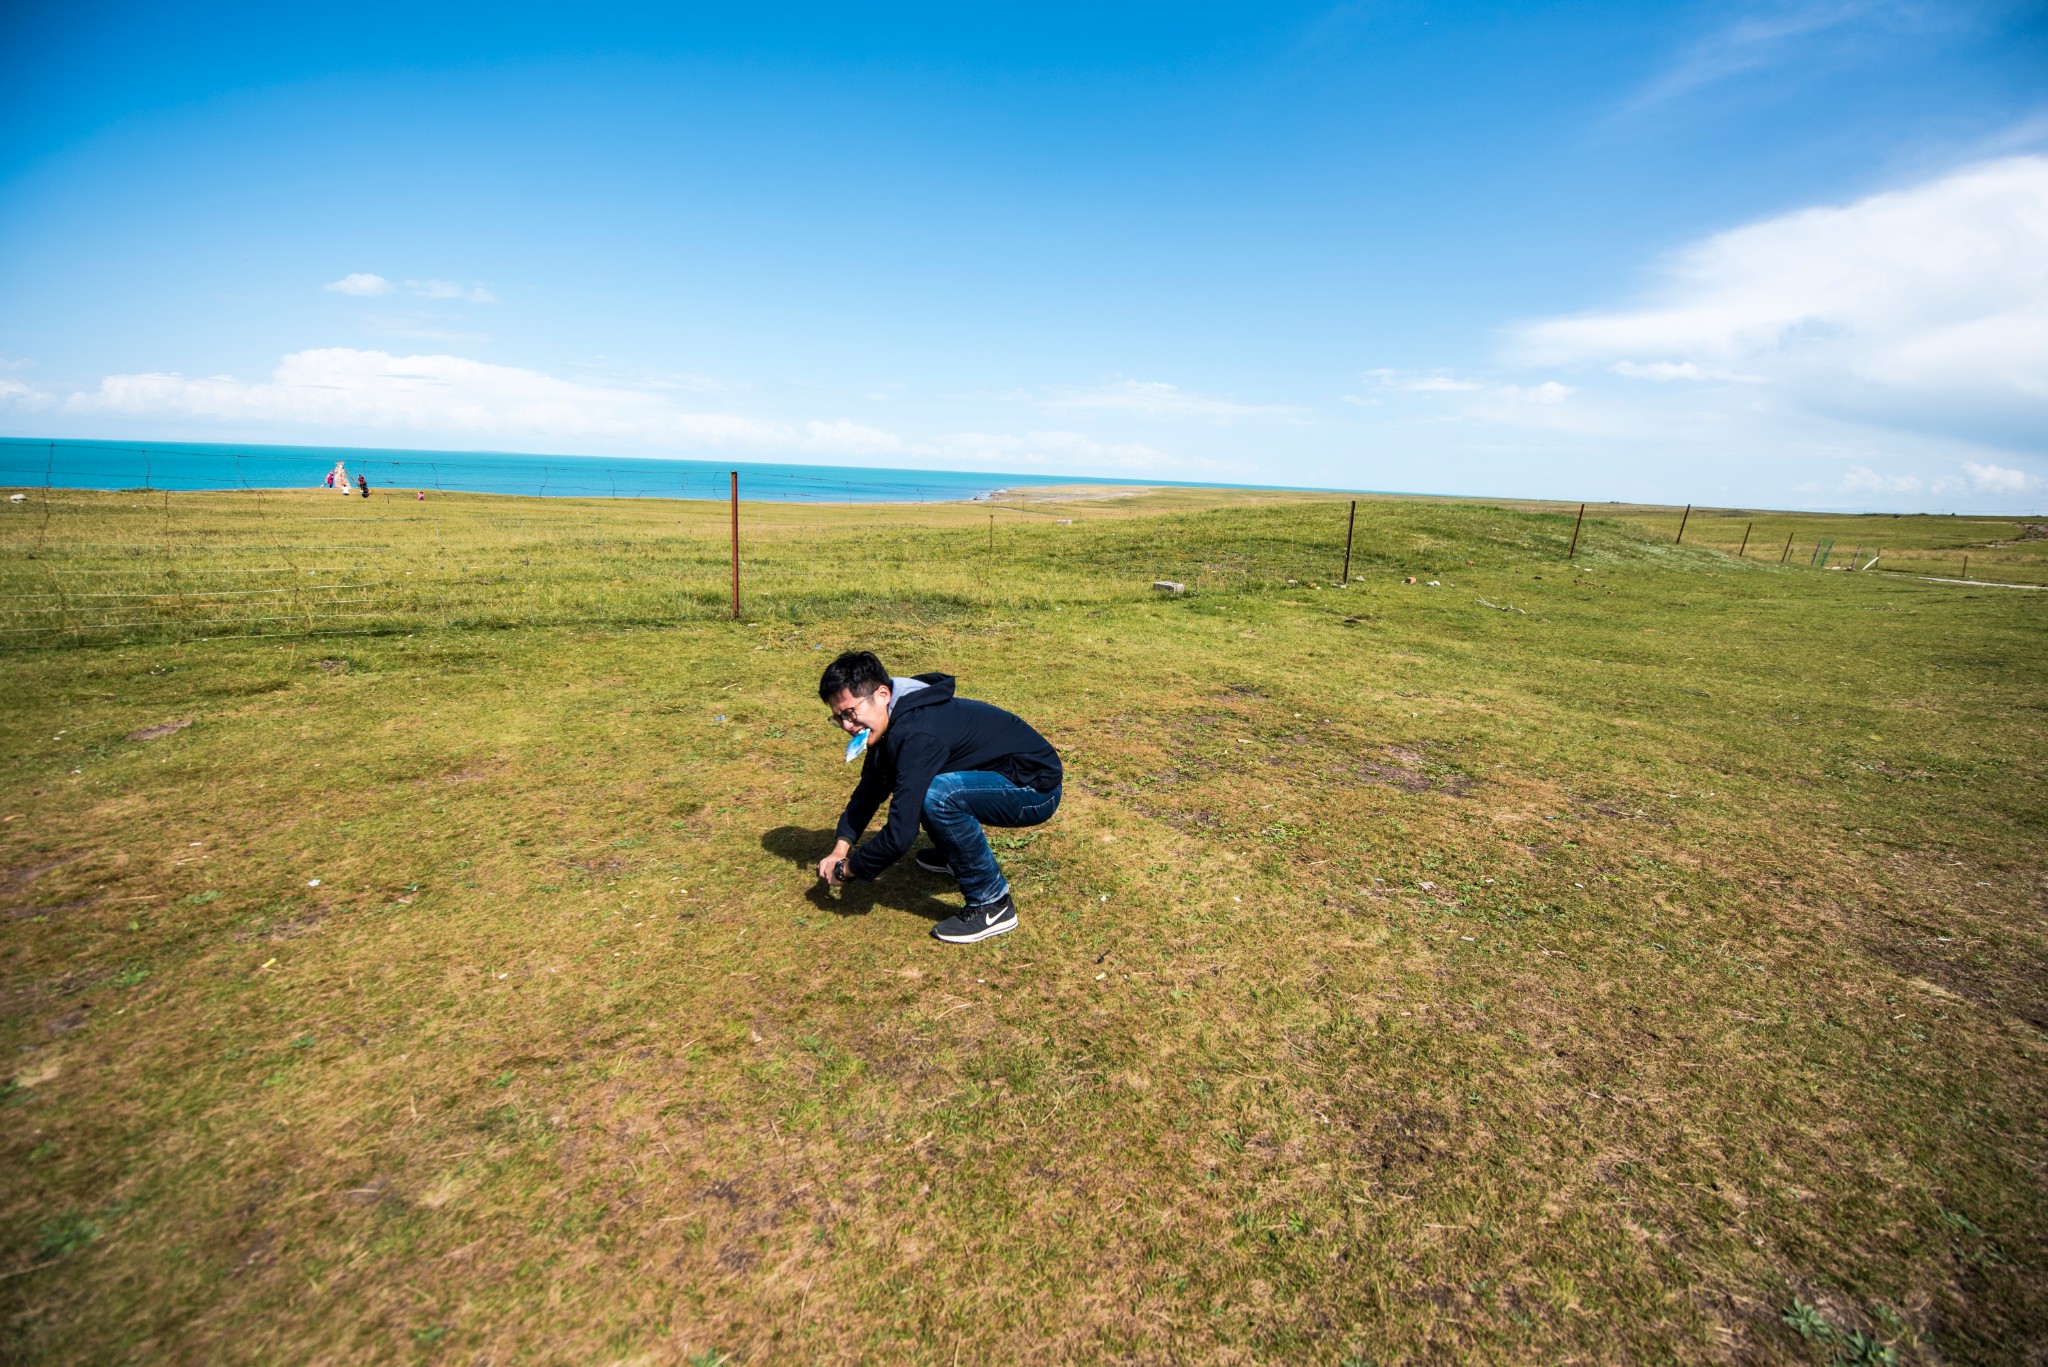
[(82, 566), (245, 557)]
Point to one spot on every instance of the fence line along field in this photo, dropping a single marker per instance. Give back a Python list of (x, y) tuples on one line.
[(411, 950)]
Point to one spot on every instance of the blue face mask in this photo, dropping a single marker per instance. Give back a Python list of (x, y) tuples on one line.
[(858, 746)]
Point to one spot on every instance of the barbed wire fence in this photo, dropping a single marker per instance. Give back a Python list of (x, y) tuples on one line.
[(172, 546), (113, 543)]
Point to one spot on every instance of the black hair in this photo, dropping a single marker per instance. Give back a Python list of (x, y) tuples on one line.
[(858, 672)]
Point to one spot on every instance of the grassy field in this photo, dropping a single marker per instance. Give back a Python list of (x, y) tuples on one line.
[(411, 952), (1942, 546)]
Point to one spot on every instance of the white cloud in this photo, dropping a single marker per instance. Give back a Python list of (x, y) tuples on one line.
[(16, 394), (1777, 35), (1666, 371), (1926, 306), (849, 438), (1909, 314), (341, 389), (362, 285), (1150, 398), (338, 390), (448, 289), (1861, 479), (366, 285), (1550, 391), (1488, 399), (1410, 382), (1080, 446), (1998, 479), (1054, 448)]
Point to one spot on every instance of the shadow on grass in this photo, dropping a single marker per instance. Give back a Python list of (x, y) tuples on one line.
[(903, 886)]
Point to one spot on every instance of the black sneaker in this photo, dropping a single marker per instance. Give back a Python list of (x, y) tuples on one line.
[(977, 923), (931, 861)]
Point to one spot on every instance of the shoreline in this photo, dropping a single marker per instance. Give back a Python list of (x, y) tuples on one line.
[(28, 463), (999, 497)]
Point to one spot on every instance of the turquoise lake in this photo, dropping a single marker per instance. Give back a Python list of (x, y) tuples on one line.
[(29, 463)]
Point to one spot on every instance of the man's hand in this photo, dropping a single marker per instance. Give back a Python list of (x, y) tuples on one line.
[(828, 867)]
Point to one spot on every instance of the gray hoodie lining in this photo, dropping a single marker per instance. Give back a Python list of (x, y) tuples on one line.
[(899, 687)]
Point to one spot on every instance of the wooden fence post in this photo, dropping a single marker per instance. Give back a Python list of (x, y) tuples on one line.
[(1576, 524), (1348, 528), (1745, 540), (1680, 538), (1788, 549)]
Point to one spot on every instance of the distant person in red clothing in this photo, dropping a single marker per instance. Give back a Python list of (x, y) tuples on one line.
[(363, 483)]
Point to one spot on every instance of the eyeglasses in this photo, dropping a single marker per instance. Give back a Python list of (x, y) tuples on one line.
[(846, 714)]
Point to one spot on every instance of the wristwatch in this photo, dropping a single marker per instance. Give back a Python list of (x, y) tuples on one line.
[(840, 869)]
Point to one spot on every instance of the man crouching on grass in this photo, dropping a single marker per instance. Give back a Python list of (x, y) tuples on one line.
[(948, 763)]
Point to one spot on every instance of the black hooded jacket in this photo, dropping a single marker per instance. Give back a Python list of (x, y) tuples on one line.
[(932, 732)]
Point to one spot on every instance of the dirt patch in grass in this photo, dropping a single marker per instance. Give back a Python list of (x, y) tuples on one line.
[(18, 879), (1994, 980), (295, 927), (1689, 1009), (68, 1021), (29, 911), (160, 730), (1409, 770)]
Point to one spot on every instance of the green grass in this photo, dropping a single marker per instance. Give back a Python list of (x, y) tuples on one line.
[(1639, 959), (1939, 545)]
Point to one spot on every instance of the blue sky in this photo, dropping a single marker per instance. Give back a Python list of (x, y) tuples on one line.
[(1791, 254)]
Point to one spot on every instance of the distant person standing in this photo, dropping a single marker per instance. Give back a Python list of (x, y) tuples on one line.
[(363, 483), (947, 763)]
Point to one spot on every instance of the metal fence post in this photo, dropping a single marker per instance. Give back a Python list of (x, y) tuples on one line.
[(1349, 526)]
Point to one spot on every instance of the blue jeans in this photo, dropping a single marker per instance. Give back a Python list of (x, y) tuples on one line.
[(957, 806)]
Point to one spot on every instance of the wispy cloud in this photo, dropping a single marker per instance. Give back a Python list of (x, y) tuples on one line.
[(1772, 36), (1999, 479), (1934, 296), (1153, 399), (343, 392), (340, 389), (1861, 479), (1899, 342), (1063, 449), (369, 285), (23, 397), (448, 289), (1665, 372), (1419, 382), (361, 285), (1439, 383)]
